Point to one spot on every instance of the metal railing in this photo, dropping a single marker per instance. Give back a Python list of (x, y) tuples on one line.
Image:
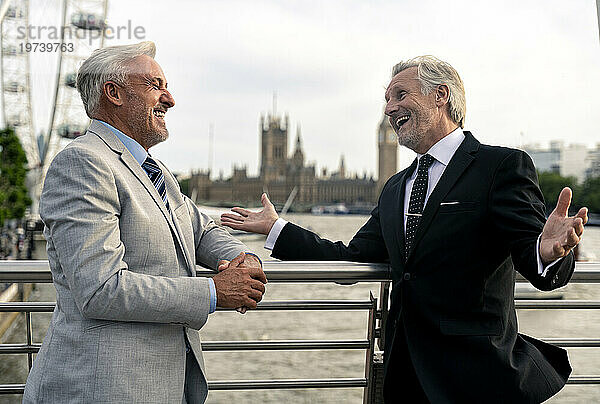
[(305, 272)]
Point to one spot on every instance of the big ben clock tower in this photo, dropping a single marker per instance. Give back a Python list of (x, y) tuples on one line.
[(387, 152)]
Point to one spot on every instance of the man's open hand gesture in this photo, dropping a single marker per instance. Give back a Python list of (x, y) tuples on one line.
[(255, 222), (561, 233)]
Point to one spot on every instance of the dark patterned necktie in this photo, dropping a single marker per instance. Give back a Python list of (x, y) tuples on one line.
[(417, 200), (156, 176)]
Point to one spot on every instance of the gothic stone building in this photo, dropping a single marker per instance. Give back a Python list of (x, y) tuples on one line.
[(282, 174)]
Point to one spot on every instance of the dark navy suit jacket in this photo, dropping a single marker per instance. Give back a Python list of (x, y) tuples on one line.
[(453, 296)]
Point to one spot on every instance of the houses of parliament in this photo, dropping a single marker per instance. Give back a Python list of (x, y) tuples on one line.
[(286, 175)]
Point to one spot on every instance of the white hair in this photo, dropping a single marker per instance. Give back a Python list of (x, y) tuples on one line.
[(433, 72), (107, 64)]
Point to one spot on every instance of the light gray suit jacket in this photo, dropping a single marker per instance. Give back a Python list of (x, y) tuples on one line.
[(124, 271)]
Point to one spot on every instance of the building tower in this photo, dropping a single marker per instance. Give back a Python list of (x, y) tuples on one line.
[(387, 152), (274, 140), (298, 157), (342, 168)]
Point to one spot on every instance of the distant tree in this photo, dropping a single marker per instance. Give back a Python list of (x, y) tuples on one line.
[(552, 183), (13, 170), (185, 185), (590, 194)]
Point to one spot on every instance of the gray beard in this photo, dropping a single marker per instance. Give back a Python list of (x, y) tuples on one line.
[(154, 138), (140, 121), (411, 139)]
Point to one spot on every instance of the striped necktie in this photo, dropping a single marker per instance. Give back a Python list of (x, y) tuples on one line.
[(417, 200), (156, 176)]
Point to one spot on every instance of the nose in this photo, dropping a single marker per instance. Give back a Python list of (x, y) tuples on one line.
[(167, 99), (390, 108)]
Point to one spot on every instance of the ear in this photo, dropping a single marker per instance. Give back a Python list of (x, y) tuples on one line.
[(113, 93), (442, 93)]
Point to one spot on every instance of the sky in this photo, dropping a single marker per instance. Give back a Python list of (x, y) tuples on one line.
[(530, 68)]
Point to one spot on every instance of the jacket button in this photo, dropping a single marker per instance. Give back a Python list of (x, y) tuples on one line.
[(407, 276)]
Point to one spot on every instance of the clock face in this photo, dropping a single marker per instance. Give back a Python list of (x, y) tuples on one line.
[(381, 137), (391, 136)]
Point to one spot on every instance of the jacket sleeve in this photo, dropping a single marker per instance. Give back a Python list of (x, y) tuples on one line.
[(81, 210), (367, 245), (212, 242), (517, 208)]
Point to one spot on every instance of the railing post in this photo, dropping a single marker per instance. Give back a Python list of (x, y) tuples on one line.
[(368, 394), (384, 297), (29, 338)]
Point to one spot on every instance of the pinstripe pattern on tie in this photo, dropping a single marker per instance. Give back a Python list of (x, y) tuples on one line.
[(156, 176), (417, 200)]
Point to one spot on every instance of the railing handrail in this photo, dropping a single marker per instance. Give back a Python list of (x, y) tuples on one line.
[(578, 304), (45, 307), (38, 271), (215, 385)]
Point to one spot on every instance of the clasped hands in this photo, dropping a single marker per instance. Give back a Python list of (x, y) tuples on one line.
[(240, 283)]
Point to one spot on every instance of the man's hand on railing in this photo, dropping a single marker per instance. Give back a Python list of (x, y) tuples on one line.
[(240, 283), (255, 222)]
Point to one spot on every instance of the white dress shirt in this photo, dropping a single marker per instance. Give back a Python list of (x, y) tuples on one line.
[(442, 152)]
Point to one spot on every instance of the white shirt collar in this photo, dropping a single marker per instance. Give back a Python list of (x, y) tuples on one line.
[(445, 148)]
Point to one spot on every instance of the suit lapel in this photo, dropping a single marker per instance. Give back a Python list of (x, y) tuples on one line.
[(141, 174), (401, 191), (117, 146), (463, 157), (176, 201)]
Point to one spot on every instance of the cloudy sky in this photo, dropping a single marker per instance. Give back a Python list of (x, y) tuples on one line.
[(531, 70)]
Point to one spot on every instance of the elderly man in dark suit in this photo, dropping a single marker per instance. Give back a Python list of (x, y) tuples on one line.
[(454, 226)]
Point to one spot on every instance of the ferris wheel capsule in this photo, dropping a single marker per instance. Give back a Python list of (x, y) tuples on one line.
[(14, 87), (87, 21), (71, 80), (71, 131), (14, 12), (9, 50)]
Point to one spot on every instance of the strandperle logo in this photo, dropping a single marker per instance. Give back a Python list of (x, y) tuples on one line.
[(91, 30)]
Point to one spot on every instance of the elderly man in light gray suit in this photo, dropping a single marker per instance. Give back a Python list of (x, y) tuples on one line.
[(123, 243)]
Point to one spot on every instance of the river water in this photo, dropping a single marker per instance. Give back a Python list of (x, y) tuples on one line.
[(332, 325)]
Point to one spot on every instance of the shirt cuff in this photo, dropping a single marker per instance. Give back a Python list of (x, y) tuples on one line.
[(213, 296), (257, 257), (542, 270), (274, 233)]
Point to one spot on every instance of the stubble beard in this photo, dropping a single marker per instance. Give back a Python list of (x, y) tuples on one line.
[(413, 137), (410, 139), (155, 137), (142, 122)]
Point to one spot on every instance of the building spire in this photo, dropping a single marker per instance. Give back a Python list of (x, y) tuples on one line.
[(274, 104), (342, 169), (298, 153), (298, 138)]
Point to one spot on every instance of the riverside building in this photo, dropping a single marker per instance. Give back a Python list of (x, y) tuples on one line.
[(283, 173)]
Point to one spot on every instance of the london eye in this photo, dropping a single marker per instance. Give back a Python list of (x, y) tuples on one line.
[(58, 49)]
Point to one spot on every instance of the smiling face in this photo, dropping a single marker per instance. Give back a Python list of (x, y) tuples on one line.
[(412, 114), (146, 101)]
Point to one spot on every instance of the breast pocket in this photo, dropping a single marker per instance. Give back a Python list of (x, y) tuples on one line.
[(457, 206)]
